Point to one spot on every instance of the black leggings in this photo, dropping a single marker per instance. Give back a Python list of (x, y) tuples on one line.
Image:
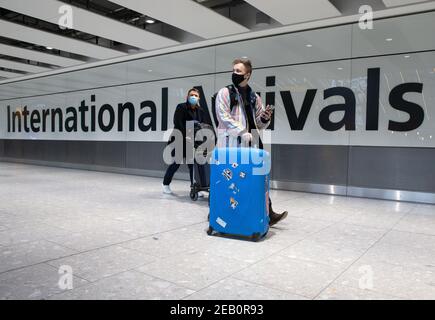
[(171, 171)]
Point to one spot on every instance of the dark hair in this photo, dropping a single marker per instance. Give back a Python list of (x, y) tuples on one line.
[(193, 89), (246, 62)]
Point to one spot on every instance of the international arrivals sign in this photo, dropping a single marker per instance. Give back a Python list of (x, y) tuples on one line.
[(333, 115)]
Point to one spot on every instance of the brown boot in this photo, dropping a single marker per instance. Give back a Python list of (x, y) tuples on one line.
[(275, 217)]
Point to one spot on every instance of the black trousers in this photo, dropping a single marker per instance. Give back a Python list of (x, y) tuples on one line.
[(171, 171)]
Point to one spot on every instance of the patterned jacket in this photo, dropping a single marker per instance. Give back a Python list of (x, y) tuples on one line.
[(233, 123)]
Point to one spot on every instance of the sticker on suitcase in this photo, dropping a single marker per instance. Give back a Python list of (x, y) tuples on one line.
[(242, 175), (234, 188), (234, 203), (221, 222), (234, 165), (228, 174)]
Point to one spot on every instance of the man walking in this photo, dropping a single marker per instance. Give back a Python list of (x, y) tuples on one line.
[(241, 113)]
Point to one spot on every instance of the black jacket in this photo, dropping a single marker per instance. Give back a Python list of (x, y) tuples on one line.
[(184, 113)]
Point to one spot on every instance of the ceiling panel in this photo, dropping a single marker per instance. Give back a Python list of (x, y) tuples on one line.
[(33, 55), (48, 39), (6, 74), (295, 11), (89, 22), (21, 66), (394, 3), (186, 15)]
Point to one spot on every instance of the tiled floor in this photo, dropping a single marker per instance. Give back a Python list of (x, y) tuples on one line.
[(123, 239)]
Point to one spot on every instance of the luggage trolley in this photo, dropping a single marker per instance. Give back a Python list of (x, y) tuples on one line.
[(201, 172), (201, 175)]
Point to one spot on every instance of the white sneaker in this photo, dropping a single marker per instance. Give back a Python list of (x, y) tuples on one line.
[(201, 194), (166, 189)]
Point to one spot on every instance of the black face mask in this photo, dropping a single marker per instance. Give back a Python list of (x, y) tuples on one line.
[(237, 78)]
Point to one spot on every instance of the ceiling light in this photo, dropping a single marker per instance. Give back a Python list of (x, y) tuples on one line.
[(309, 45), (389, 39), (407, 56), (340, 68), (49, 48), (261, 19), (149, 20)]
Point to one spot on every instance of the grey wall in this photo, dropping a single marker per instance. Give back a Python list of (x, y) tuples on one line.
[(410, 169), (113, 155), (310, 164)]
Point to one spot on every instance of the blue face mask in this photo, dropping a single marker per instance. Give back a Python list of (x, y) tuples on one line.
[(193, 100)]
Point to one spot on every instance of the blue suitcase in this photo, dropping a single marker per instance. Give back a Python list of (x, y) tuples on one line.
[(239, 192)]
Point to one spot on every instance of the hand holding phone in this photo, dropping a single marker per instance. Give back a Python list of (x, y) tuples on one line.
[(268, 111)]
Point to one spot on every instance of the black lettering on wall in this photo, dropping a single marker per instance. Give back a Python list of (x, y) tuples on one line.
[(151, 115), (54, 112), (131, 115), (35, 119), (270, 100), (16, 115), (93, 114), (203, 104), (348, 107), (25, 114), (9, 118), (106, 107), (73, 119), (164, 109), (45, 114), (297, 122), (416, 112), (83, 109), (372, 116)]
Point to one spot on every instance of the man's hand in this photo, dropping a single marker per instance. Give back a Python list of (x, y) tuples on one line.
[(246, 137), (267, 113)]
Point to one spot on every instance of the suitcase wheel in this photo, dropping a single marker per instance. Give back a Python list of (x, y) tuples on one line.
[(193, 195), (256, 236), (210, 230)]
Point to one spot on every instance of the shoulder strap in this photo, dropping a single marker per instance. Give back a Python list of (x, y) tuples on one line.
[(233, 96)]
